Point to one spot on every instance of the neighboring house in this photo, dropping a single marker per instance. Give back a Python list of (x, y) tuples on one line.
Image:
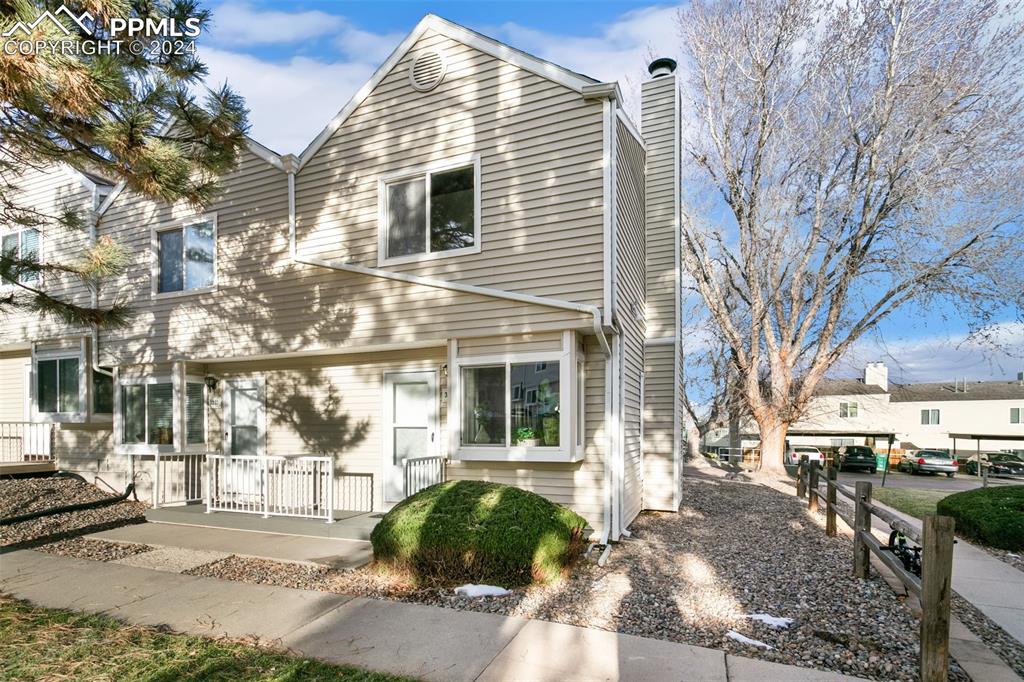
[(479, 242), (861, 411)]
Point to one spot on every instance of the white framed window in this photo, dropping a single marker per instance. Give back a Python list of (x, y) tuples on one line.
[(22, 244), (429, 212), (581, 402), (502, 409), (929, 417), (159, 414), (1016, 415), (59, 388), (848, 410), (185, 257)]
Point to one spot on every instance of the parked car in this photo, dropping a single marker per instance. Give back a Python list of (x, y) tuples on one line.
[(1001, 464), (857, 457), (812, 453), (930, 462)]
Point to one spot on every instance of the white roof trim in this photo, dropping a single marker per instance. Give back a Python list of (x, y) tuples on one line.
[(628, 122), (552, 72)]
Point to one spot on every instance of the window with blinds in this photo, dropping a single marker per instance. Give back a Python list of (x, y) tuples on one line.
[(23, 245), (147, 414), (195, 414)]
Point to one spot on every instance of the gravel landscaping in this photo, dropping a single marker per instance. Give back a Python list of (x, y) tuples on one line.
[(994, 637), (25, 495), (1015, 559), (94, 550), (692, 577)]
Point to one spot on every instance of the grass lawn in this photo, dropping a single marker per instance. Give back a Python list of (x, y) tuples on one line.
[(911, 501), (52, 644)]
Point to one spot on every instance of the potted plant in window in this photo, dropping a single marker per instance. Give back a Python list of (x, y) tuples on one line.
[(526, 437), (548, 402)]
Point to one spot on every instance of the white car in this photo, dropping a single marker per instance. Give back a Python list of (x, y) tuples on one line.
[(812, 453)]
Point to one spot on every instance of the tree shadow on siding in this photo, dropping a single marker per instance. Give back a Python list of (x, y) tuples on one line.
[(310, 404)]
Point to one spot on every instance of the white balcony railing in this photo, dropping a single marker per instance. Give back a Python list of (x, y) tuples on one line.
[(26, 442), (423, 472), (271, 485)]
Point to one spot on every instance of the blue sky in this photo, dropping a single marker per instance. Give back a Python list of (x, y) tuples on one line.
[(298, 63)]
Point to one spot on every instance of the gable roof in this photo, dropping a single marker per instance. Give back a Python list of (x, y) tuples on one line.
[(495, 48), (945, 392), (847, 387)]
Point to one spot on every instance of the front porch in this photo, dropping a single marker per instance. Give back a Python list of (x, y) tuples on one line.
[(348, 525)]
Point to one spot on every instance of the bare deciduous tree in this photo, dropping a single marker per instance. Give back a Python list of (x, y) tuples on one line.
[(865, 155)]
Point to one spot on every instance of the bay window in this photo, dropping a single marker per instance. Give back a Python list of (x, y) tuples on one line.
[(150, 419), (528, 416), (430, 212), (185, 257)]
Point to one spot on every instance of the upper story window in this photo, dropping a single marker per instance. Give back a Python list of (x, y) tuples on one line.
[(430, 212), (848, 410), (1016, 415), (186, 257), (23, 244), (929, 417)]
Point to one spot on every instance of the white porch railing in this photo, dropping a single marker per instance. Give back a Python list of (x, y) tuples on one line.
[(271, 485), (423, 472), (26, 442)]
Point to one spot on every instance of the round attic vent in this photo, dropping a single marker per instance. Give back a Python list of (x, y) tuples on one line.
[(427, 70)]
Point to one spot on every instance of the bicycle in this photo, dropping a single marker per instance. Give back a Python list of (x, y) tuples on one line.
[(909, 556)]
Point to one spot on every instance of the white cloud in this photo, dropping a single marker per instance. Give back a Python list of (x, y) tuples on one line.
[(943, 357), (289, 102), (239, 23), (621, 52)]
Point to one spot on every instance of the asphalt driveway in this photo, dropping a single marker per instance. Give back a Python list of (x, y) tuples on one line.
[(898, 479)]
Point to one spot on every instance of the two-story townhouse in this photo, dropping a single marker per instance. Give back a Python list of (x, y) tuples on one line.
[(475, 262), (935, 415)]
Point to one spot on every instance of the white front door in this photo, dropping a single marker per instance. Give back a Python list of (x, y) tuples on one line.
[(243, 417), (410, 425), (244, 434)]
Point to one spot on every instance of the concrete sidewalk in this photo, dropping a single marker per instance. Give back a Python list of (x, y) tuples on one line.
[(995, 587), (405, 639), (333, 552)]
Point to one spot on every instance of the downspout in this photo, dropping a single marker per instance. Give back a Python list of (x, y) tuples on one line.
[(94, 300)]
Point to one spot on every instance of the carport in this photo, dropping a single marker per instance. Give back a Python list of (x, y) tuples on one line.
[(889, 437), (977, 438)]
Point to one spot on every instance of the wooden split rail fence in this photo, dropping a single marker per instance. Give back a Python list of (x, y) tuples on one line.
[(933, 588)]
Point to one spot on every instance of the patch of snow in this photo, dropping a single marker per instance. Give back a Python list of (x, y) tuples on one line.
[(746, 640), (776, 622), (481, 591)]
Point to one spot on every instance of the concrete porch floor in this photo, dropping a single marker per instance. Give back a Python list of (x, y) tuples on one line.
[(348, 525)]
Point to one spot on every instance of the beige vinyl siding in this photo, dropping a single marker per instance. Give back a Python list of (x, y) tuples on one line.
[(50, 191), (578, 485), (328, 405), (265, 304), (659, 121), (493, 345), (13, 385), (630, 299), (541, 166)]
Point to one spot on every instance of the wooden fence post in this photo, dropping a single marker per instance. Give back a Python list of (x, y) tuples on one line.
[(830, 501), (862, 524), (936, 579), (801, 471), (812, 487)]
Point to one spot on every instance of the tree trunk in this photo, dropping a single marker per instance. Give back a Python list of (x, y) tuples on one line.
[(693, 438), (773, 446)]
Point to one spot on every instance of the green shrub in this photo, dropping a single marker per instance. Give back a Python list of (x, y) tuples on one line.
[(472, 531), (992, 516)]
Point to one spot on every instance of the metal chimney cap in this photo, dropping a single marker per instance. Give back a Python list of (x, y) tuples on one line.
[(663, 66)]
